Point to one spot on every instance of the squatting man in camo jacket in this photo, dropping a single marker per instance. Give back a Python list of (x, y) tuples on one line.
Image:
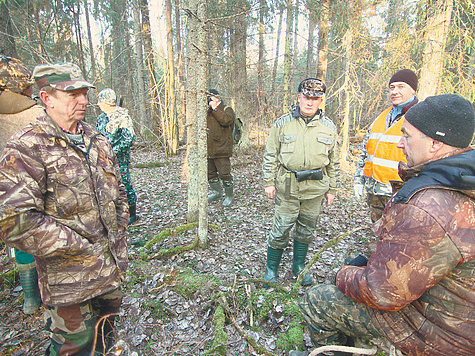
[(300, 170), (416, 289), (62, 200)]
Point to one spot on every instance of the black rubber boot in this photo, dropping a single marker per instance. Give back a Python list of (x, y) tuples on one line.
[(133, 214), (273, 260), (298, 264), (228, 193), (29, 283), (216, 190)]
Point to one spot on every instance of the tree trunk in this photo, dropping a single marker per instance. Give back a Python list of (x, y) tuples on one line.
[(347, 40), (435, 37), (311, 30), (196, 120), (7, 39), (287, 58), (181, 74), (240, 73), (149, 59), (141, 102), (276, 59), (172, 123), (89, 40), (323, 41)]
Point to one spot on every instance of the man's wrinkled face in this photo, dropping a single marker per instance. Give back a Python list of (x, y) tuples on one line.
[(400, 92), (308, 105), (415, 145), (70, 105)]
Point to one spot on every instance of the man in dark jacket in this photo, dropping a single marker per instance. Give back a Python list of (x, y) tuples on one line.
[(220, 122), (416, 289), (63, 202)]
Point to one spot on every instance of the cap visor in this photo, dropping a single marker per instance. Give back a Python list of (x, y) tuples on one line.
[(72, 85)]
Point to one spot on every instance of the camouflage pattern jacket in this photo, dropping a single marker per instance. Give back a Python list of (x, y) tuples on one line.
[(118, 127), (220, 123), (419, 282), (296, 145), (65, 208)]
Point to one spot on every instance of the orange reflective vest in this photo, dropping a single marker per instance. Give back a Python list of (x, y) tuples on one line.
[(383, 155)]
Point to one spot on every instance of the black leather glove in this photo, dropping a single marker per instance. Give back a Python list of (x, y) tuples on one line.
[(359, 261)]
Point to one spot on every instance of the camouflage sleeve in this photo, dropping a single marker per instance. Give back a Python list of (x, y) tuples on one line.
[(333, 168), (224, 117), (359, 177), (270, 160), (413, 253), (23, 223), (101, 123)]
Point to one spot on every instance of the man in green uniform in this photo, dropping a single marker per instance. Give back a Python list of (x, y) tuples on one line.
[(300, 170)]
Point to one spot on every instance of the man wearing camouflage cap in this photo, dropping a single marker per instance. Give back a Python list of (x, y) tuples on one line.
[(416, 289), (63, 202), (17, 109), (300, 171)]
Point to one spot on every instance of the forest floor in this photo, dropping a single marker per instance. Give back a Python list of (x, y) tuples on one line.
[(204, 301)]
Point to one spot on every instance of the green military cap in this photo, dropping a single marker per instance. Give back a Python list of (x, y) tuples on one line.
[(312, 87), (14, 75), (61, 76)]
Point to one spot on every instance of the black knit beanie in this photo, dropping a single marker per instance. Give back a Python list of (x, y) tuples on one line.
[(448, 118), (407, 76)]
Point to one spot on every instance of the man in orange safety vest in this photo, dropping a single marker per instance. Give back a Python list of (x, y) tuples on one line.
[(378, 162)]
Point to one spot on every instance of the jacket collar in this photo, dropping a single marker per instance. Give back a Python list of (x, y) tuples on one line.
[(454, 171)]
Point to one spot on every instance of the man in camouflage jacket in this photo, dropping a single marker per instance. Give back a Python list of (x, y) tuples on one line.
[(62, 201), (116, 124), (416, 289), (300, 170)]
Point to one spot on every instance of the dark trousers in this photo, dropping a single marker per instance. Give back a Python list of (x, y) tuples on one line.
[(221, 166)]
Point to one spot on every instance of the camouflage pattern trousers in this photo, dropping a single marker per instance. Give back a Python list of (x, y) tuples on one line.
[(332, 316), (376, 204), (292, 211), (73, 327), (125, 174)]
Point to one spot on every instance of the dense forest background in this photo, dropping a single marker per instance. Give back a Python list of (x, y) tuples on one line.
[(161, 55)]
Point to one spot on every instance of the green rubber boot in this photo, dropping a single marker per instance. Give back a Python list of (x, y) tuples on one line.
[(216, 190), (133, 214), (298, 263), (273, 260), (228, 193), (29, 283)]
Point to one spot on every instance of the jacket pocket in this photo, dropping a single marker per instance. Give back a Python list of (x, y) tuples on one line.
[(71, 193), (287, 143)]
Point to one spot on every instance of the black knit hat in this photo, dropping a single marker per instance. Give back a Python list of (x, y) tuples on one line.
[(213, 92), (448, 118), (407, 76)]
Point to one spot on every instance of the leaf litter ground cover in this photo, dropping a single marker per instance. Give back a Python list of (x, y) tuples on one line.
[(203, 301)]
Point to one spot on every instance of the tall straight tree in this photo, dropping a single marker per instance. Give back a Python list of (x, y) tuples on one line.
[(287, 56), (181, 109), (196, 119), (312, 23), (89, 40), (438, 14), (240, 70), (277, 46), (260, 60), (171, 130), (139, 63), (150, 61), (323, 27)]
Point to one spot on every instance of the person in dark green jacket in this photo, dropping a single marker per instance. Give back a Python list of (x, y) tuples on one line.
[(220, 123), (116, 124)]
